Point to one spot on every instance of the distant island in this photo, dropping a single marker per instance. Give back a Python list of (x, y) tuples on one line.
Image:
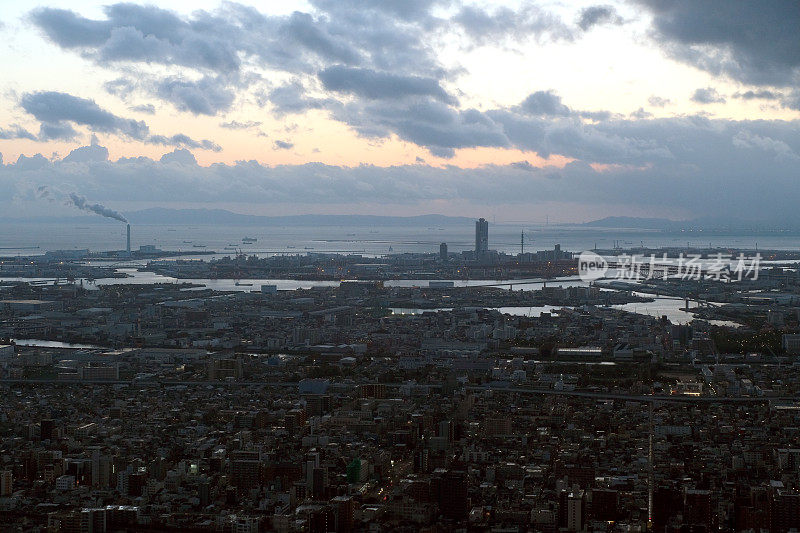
[(715, 225)]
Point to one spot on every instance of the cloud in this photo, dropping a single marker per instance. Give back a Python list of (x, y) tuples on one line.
[(657, 101), (425, 122), (361, 49), (85, 154), (792, 101), (145, 34), (283, 145), (291, 98), (373, 85), (236, 125), (548, 104), (56, 131), (120, 87), (529, 21), (302, 29), (752, 42), (707, 95), (182, 140), (545, 103), (15, 131), (598, 15), (54, 107), (406, 10), (652, 163), (207, 96), (758, 95), (148, 109), (179, 156), (68, 29), (58, 111), (641, 114)]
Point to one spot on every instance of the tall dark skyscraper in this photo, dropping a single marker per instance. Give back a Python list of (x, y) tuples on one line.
[(481, 238)]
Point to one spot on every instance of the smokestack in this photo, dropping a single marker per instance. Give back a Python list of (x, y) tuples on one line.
[(128, 248)]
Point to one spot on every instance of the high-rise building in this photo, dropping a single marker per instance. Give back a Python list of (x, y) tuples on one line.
[(6, 483), (47, 427), (443, 252), (698, 509), (450, 490), (481, 238)]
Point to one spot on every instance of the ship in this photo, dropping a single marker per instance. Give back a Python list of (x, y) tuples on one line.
[(249, 240)]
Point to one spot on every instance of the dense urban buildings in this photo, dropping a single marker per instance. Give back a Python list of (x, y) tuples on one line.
[(374, 404)]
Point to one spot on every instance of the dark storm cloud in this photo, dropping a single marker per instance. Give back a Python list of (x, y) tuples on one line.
[(373, 85), (753, 42), (598, 15), (707, 95)]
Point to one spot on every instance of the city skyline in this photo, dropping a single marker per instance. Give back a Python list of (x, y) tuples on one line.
[(573, 112)]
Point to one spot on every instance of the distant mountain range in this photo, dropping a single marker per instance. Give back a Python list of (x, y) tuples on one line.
[(197, 217)]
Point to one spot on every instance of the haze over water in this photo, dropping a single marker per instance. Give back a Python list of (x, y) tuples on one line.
[(38, 238)]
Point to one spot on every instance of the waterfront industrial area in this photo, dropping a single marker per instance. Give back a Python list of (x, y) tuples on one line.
[(475, 391)]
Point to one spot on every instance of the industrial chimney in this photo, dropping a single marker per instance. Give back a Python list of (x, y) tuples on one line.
[(128, 247)]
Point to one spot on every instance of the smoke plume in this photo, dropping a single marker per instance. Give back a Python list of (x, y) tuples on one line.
[(81, 203)]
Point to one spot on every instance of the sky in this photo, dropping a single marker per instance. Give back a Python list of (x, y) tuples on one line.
[(518, 110)]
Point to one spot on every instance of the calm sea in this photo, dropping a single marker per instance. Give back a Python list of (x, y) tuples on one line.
[(30, 239)]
